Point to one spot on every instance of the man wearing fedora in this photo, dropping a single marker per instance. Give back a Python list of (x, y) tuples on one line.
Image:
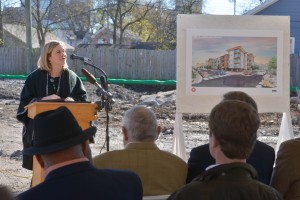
[(62, 148)]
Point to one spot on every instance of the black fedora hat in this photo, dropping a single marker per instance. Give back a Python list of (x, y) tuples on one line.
[(56, 130)]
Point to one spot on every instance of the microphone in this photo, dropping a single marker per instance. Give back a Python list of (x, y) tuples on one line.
[(103, 82), (74, 57), (100, 91), (90, 77)]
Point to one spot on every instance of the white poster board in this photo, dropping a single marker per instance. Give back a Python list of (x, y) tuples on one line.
[(217, 54)]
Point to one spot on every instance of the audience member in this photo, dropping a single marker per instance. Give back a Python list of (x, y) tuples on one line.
[(286, 173), (161, 172), (261, 158), (62, 148), (6, 193), (232, 135)]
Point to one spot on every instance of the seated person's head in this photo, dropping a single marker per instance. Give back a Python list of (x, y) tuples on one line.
[(242, 96), (58, 137), (233, 125), (6, 193), (139, 125)]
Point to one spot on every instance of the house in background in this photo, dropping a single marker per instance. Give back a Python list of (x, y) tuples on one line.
[(283, 8), (15, 36), (105, 37)]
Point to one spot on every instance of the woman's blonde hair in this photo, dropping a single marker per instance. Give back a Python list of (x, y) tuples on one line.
[(43, 62)]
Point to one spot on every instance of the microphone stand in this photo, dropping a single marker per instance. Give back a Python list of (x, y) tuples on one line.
[(105, 103)]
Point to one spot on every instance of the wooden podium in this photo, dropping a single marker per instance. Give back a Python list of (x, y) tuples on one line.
[(83, 112)]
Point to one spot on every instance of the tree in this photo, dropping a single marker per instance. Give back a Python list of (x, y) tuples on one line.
[(159, 27), (246, 6), (189, 6), (121, 14), (272, 64), (56, 14)]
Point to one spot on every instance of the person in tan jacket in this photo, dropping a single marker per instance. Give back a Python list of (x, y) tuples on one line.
[(286, 173), (161, 172)]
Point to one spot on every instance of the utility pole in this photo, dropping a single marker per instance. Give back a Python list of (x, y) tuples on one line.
[(234, 4), (1, 26), (28, 36)]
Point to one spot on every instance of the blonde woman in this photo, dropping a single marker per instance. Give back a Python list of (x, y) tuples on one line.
[(52, 80)]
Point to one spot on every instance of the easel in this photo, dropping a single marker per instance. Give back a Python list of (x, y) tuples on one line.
[(195, 30)]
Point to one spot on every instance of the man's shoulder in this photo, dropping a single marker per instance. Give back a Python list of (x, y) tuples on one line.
[(216, 190), (171, 156), (117, 173), (263, 146), (289, 147), (291, 143), (201, 148), (121, 152), (110, 153)]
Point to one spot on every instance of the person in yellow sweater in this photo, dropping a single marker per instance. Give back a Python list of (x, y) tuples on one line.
[(161, 172)]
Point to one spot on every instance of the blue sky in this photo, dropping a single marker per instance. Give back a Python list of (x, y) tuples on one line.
[(263, 48)]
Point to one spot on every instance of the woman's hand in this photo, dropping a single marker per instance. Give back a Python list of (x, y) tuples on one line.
[(69, 99), (52, 96)]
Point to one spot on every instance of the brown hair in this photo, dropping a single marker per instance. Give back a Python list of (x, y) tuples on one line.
[(43, 62), (242, 96), (234, 125)]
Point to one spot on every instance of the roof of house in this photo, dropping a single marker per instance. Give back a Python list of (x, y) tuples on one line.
[(19, 31), (105, 30), (261, 7)]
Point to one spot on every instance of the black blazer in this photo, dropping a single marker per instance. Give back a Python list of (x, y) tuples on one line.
[(262, 159), (83, 181)]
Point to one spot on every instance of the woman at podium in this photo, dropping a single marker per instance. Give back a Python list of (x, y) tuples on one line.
[(51, 81)]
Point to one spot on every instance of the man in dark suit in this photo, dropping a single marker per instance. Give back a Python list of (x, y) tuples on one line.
[(232, 134), (62, 148), (262, 157)]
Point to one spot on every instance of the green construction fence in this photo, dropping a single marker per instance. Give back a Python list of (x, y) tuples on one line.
[(110, 80), (123, 81)]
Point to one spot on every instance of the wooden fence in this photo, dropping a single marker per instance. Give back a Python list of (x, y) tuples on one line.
[(137, 64)]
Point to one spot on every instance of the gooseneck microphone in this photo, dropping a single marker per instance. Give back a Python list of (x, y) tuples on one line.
[(91, 78), (103, 82), (74, 57)]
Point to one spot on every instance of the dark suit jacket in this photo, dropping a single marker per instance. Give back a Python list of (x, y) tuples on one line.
[(262, 159), (227, 182), (83, 181)]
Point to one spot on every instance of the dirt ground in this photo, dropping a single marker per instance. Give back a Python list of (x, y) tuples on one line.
[(195, 127)]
